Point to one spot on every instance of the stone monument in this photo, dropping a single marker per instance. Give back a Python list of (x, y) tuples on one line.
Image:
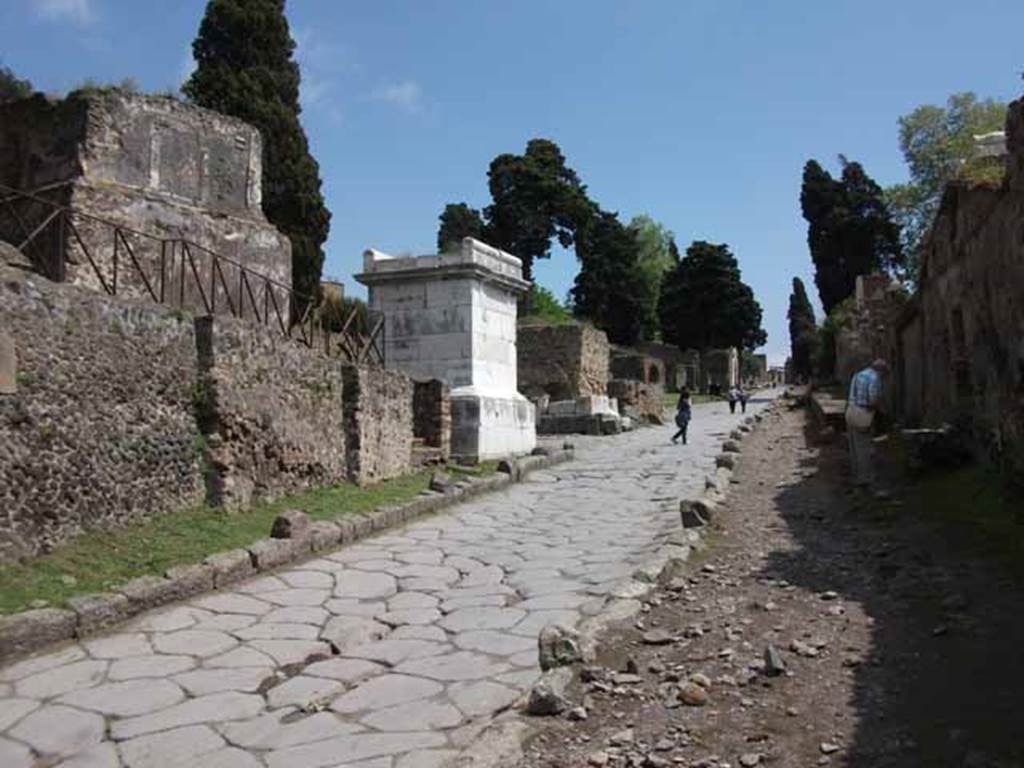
[(452, 316)]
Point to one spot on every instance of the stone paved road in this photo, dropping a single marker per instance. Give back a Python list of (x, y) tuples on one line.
[(435, 624)]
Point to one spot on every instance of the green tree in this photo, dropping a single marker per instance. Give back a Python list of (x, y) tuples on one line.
[(13, 87), (938, 146), (458, 221), (545, 307), (608, 290), (245, 68), (850, 231), (706, 305), (803, 331), (656, 255)]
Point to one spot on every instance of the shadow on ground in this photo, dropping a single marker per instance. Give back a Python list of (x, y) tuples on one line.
[(942, 682)]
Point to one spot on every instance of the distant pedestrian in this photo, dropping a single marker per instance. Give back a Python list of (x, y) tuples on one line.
[(741, 393), (861, 406), (683, 413), (734, 397)]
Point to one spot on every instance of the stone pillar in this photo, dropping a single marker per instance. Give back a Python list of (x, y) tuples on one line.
[(453, 317)]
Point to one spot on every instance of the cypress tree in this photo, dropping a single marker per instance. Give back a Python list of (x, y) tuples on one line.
[(802, 330), (850, 231), (245, 68)]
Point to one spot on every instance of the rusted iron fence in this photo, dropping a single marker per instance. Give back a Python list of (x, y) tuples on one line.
[(121, 261)]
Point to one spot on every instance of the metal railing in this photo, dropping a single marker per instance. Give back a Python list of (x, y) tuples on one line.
[(174, 271)]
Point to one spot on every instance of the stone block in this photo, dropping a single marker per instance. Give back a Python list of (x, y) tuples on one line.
[(362, 525), (690, 515), (97, 611), (191, 580), (727, 460), (25, 632), (290, 524), (731, 446), (233, 565), (323, 535), (558, 646), (347, 530), (8, 365), (270, 553)]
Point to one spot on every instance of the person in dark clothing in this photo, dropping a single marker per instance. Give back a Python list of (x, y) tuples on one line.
[(683, 413), (734, 397), (742, 394)]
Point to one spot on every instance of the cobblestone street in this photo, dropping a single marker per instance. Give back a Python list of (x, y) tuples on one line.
[(391, 653)]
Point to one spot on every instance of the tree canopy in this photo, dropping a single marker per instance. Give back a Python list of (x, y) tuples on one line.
[(609, 289), (850, 230), (245, 68), (803, 332), (706, 305), (938, 146), (656, 255), (13, 87), (458, 221)]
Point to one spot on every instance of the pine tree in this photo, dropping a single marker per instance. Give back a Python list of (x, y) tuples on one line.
[(458, 221), (802, 330), (706, 305), (850, 230), (245, 68), (13, 87)]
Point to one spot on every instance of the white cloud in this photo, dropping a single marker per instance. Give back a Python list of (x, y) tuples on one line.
[(407, 95), (74, 11)]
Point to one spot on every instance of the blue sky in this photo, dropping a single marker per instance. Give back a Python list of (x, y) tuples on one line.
[(698, 113)]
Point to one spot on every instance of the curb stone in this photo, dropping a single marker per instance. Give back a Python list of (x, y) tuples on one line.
[(30, 631)]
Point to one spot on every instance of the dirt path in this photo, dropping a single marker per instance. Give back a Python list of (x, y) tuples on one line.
[(901, 645)]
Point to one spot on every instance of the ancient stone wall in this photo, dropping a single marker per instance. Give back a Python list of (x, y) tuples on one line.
[(159, 167), (113, 409), (432, 415), (271, 411), (562, 361), (378, 423), (961, 346), (99, 428), (639, 400), (627, 363)]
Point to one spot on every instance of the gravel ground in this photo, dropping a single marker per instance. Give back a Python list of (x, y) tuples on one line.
[(893, 640)]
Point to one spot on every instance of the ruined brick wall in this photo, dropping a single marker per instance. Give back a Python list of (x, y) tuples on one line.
[(968, 341), (99, 428), (378, 423), (271, 411), (562, 361), (155, 165), (639, 400), (627, 363), (432, 414)]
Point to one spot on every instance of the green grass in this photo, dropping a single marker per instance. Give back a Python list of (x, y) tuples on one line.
[(101, 560)]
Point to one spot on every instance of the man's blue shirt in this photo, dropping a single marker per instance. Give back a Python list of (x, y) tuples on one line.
[(865, 388)]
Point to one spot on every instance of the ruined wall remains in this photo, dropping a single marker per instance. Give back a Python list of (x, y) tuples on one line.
[(961, 345), (157, 166), (432, 415), (98, 428), (114, 409), (720, 368), (378, 423), (641, 401), (628, 363), (271, 412), (562, 361)]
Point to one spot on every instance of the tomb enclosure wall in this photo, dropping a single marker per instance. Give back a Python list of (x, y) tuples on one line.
[(98, 427), (562, 361)]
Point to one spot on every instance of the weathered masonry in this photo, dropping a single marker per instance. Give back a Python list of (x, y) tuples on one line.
[(114, 409), (453, 317), (181, 182)]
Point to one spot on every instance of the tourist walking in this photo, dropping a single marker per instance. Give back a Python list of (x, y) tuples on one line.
[(863, 401), (741, 393), (734, 397), (683, 413)]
